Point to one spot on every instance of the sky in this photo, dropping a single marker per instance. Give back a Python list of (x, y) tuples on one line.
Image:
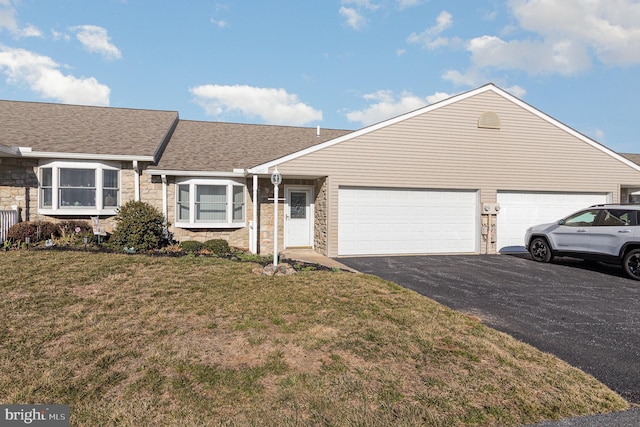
[(339, 64)]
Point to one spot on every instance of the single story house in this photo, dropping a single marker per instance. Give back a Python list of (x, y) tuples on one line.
[(465, 175)]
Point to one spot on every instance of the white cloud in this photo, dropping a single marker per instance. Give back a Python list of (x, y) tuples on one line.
[(30, 31), (386, 105), (353, 18), (471, 78), (42, 75), (598, 135), (403, 4), (437, 97), (274, 106), (430, 38), (8, 20), (547, 37), (562, 57), (60, 36), (362, 4), (96, 40), (517, 91), (567, 36), (608, 29), (220, 23)]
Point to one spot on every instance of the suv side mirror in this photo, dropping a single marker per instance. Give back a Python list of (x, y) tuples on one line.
[(561, 222)]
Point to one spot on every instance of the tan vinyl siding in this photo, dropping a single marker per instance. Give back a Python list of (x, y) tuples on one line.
[(445, 149)]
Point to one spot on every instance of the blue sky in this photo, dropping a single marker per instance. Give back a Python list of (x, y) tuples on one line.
[(338, 64)]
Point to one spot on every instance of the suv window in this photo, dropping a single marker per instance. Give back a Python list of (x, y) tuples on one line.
[(618, 218), (582, 219)]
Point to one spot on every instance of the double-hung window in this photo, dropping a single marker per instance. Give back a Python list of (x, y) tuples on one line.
[(210, 203), (82, 188)]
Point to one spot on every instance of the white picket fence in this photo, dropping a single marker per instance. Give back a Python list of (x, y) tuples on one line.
[(7, 219)]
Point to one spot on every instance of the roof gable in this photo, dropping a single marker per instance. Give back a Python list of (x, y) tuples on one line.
[(34, 129), (262, 168)]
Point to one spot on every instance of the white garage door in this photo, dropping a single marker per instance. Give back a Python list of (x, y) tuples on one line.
[(374, 221), (519, 211)]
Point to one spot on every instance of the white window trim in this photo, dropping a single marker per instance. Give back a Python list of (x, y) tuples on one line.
[(192, 183), (99, 209)]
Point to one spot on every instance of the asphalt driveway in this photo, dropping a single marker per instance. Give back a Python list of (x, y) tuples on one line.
[(586, 314)]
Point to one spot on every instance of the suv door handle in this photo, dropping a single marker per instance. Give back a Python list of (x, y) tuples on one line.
[(582, 230), (624, 231)]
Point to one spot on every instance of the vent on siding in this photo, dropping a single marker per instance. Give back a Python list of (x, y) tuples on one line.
[(489, 120)]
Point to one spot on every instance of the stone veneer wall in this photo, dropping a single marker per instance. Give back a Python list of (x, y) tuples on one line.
[(320, 216), (19, 186), (151, 190), (265, 217)]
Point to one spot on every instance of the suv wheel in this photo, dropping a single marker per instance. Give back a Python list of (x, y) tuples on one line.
[(541, 252), (631, 264)]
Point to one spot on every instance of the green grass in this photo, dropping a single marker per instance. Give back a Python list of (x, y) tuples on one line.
[(137, 340)]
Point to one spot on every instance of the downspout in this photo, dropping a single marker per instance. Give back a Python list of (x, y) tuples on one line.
[(165, 207), (254, 226), (136, 184)]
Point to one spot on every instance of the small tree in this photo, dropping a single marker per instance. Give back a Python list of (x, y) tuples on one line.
[(139, 226)]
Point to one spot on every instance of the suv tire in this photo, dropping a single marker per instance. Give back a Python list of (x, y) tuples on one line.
[(541, 252), (631, 264)]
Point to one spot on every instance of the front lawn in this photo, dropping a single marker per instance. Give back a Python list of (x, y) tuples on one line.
[(138, 340)]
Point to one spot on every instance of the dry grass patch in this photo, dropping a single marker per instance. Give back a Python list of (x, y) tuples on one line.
[(135, 340)]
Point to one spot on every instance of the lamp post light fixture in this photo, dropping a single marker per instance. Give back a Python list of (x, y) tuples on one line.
[(276, 180), (27, 240)]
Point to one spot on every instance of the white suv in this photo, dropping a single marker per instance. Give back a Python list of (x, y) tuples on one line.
[(609, 233)]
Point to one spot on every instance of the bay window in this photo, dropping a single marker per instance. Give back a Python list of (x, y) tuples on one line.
[(210, 203), (79, 188)]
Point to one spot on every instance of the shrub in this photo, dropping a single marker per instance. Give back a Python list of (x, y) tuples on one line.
[(219, 247), (72, 231), (19, 231), (67, 228), (191, 246), (139, 226)]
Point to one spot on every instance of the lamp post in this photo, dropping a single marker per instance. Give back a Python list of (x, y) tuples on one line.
[(276, 180)]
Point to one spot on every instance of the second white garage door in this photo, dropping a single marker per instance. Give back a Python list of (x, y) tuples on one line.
[(376, 221), (521, 210)]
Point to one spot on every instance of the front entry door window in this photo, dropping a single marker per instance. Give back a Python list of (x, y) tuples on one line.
[(298, 219), (298, 205)]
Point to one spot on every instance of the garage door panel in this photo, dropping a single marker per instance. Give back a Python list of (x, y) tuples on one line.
[(402, 221), (521, 210)]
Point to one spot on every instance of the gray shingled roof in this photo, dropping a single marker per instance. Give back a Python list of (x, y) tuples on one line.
[(223, 147), (635, 158), (78, 129)]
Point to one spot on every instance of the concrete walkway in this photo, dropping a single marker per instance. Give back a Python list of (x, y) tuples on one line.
[(312, 257)]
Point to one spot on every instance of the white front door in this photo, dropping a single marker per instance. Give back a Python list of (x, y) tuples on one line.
[(298, 217)]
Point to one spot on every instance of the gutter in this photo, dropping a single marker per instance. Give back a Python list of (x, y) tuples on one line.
[(237, 173), (28, 153), (253, 230), (136, 185), (165, 201)]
